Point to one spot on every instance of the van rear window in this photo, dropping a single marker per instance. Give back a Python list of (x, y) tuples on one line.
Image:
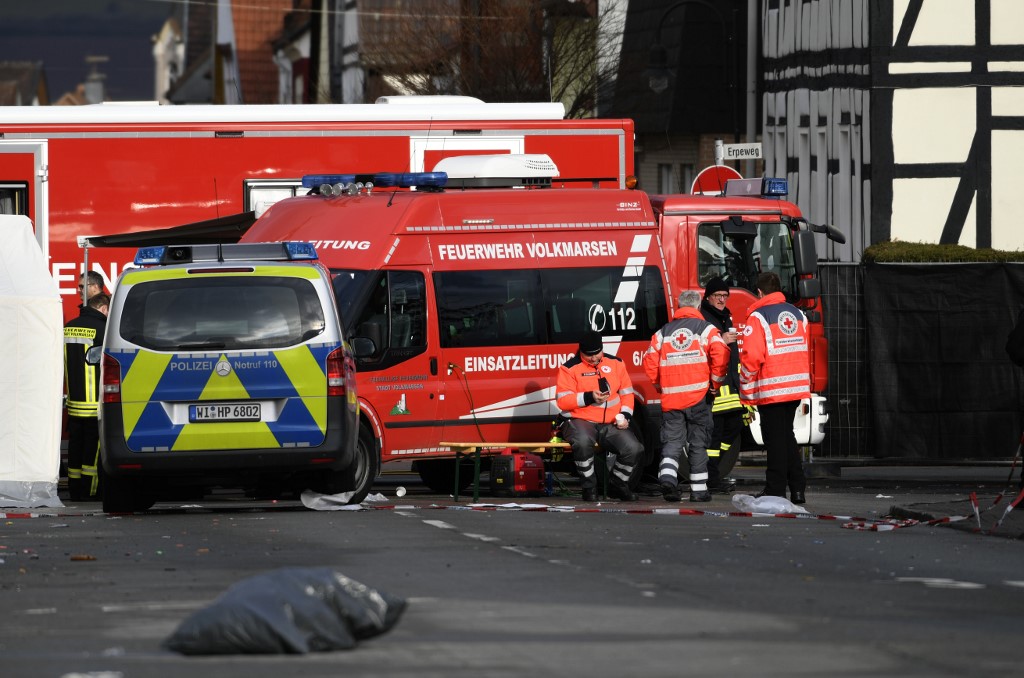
[(227, 313)]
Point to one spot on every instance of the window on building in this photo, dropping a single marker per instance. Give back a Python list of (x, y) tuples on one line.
[(688, 173), (666, 178)]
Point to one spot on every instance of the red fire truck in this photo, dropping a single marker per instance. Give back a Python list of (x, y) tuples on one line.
[(463, 300), (88, 171)]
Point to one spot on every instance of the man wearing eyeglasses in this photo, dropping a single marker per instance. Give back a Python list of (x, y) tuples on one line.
[(89, 285), (726, 408)]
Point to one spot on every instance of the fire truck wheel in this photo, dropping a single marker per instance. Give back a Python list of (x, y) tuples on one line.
[(124, 495), (439, 474)]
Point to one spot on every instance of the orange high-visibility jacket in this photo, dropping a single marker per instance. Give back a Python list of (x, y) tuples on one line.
[(774, 358), (686, 357), (577, 381)]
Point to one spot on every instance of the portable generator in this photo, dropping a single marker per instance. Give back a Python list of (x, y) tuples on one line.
[(517, 474)]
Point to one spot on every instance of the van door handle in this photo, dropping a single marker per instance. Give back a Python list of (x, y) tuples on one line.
[(433, 367)]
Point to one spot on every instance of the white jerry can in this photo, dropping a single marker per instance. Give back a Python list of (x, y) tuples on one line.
[(808, 423)]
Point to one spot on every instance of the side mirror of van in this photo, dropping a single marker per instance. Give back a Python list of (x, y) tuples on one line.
[(363, 347), (94, 356)]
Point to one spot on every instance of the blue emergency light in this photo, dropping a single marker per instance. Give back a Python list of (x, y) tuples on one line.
[(410, 179), (148, 256), (186, 254), (301, 251), (380, 179), (766, 187), (317, 180), (775, 187)]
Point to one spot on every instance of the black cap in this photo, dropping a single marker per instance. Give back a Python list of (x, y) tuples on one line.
[(715, 285), (591, 343)]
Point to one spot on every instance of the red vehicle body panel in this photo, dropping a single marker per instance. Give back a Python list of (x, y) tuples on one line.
[(155, 167)]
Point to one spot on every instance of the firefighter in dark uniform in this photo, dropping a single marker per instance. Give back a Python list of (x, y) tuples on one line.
[(726, 408), (83, 391)]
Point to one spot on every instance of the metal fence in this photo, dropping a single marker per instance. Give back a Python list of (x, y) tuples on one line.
[(848, 432)]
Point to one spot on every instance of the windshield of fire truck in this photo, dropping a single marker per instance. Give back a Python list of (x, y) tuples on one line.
[(738, 259)]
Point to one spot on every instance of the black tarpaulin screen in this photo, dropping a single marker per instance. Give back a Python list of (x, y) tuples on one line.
[(942, 385)]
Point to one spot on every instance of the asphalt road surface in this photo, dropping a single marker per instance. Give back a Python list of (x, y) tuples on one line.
[(515, 593)]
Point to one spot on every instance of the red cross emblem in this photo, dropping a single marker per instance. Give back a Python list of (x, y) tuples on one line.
[(787, 323)]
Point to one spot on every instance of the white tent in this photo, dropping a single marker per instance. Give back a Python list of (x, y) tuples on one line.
[(32, 372)]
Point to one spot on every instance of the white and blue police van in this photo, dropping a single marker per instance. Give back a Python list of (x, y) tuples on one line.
[(226, 366)]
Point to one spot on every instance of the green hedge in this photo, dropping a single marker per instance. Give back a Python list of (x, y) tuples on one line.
[(915, 252)]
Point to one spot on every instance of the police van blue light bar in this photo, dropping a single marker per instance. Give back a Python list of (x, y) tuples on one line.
[(148, 256), (259, 251), (301, 251)]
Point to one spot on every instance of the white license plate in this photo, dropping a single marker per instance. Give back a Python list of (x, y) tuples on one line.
[(224, 412)]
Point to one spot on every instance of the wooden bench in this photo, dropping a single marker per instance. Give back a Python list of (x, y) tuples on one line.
[(477, 450)]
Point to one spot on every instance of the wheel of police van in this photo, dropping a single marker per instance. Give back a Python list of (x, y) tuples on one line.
[(361, 474), (125, 495), (439, 474)]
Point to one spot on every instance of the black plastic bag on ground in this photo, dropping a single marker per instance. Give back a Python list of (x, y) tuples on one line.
[(288, 611)]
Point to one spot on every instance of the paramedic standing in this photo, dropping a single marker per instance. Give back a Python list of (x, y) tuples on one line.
[(774, 376), (726, 409), (686, 358), (83, 389), (595, 394)]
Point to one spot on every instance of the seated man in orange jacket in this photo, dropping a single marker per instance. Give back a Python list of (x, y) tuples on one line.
[(595, 394)]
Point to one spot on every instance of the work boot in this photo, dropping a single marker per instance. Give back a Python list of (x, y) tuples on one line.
[(703, 495), (619, 490), (589, 494), (670, 492), (724, 485)]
